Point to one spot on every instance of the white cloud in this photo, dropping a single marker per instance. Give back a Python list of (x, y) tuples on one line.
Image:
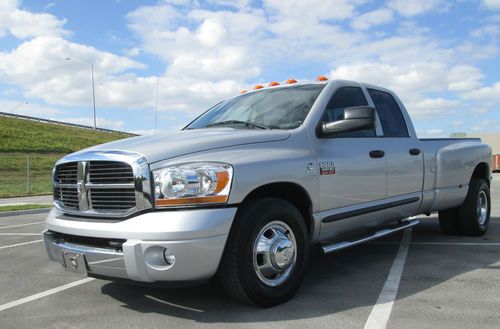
[(485, 94), (411, 83), (210, 54), (464, 77), (216, 47), (39, 65), (133, 52), (144, 132), (487, 125), (372, 18), (432, 108), (27, 108), (415, 7), (316, 10), (492, 4), (492, 30), (24, 24), (435, 132), (100, 122)]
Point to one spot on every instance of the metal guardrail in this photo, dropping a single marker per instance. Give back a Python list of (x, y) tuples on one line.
[(25, 117)]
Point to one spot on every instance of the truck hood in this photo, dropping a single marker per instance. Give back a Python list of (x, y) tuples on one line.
[(171, 145)]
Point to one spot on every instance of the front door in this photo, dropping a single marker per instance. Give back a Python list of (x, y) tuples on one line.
[(352, 172)]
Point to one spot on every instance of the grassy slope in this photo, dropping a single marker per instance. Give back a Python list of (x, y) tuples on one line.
[(45, 143), (17, 135)]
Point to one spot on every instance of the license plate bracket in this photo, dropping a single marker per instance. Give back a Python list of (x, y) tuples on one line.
[(74, 262)]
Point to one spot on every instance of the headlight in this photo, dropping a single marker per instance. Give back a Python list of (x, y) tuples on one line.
[(192, 184)]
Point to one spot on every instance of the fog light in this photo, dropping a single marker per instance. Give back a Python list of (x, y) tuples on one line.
[(169, 257), (159, 258)]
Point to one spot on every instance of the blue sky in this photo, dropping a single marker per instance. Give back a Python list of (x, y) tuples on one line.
[(442, 57)]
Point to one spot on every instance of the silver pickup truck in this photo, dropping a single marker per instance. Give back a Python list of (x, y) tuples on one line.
[(247, 190)]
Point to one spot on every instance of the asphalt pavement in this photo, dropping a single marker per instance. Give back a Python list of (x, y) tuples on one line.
[(424, 280)]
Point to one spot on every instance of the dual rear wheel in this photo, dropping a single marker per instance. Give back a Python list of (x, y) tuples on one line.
[(473, 216)]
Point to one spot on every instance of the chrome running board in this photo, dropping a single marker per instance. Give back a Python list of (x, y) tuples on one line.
[(328, 248)]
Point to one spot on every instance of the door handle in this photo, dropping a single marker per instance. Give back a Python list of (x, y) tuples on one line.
[(415, 151), (377, 154)]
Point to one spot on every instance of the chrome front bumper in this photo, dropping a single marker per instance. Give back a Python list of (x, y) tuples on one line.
[(196, 239)]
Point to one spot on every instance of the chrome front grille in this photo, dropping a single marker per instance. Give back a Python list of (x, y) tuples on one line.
[(67, 196), (113, 198), (102, 187), (110, 172), (66, 174)]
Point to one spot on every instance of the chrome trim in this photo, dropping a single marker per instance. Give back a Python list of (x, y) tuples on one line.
[(328, 248), (142, 183), (274, 253), (103, 261), (106, 186), (482, 207)]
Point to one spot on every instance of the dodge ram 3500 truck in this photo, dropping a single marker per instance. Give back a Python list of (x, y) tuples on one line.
[(247, 189)]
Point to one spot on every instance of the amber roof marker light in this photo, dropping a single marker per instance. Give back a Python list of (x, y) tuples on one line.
[(273, 83), (258, 87), (321, 78), (291, 81), (243, 91)]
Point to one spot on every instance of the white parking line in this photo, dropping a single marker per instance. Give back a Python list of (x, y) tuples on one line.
[(43, 294), (382, 310), (19, 244), (444, 243), (19, 225), (14, 234)]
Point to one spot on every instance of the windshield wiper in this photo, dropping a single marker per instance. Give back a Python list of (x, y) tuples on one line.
[(238, 122)]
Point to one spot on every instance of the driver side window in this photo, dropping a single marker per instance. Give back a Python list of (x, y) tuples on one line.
[(343, 98)]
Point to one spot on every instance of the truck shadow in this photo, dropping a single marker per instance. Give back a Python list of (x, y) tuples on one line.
[(342, 282)]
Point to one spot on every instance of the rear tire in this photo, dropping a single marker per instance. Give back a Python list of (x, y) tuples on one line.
[(250, 274), (473, 216), (448, 220), (474, 213)]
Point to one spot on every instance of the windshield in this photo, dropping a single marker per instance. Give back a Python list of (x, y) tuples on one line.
[(274, 108)]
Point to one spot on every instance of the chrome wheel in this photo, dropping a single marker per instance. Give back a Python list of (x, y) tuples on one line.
[(482, 207), (274, 253)]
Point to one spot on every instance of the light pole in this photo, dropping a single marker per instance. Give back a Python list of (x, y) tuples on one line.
[(93, 85), (156, 104), (18, 106)]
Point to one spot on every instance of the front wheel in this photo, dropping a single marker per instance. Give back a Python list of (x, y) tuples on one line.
[(266, 253)]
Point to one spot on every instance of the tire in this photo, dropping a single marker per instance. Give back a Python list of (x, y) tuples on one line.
[(274, 222), (467, 219), (448, 220), (474, 213)]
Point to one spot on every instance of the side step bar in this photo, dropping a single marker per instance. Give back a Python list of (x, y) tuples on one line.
[(328, 248)]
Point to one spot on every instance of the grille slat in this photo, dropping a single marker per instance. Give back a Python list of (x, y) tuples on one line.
[(66, 173), (102, 197)]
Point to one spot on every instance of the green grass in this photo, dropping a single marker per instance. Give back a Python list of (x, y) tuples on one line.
[(45, 143), (18, 135), (24, 207)]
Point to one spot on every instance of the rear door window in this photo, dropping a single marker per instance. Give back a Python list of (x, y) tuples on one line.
[(391, 118)]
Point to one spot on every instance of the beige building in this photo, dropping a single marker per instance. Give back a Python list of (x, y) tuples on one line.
[(492, 139)]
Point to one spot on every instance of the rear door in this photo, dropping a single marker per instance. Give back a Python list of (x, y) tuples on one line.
[(404, 157)]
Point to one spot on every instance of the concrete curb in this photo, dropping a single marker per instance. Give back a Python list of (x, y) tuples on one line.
[(25, 212)]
